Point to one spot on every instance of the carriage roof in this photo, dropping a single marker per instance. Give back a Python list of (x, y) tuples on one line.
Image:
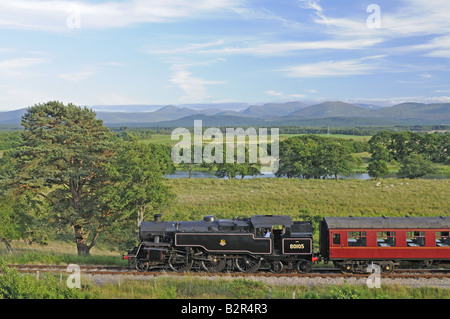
[(388, 222)]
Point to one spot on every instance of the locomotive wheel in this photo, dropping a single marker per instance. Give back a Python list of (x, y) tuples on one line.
[(248, 264), (276, 266), (180, 263), (304, 266), (142, 265), (214, 264)]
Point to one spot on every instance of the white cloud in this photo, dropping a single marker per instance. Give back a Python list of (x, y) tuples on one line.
[(13, 98), (114, 98), (297, 96), (389, 101), (77, 76), (193, 47), (266, 48), (411, 18), (280, 48), (19, 67), (194, 87), (311, 4), (274, 93), (264, 14), (332, 68), (20, 63), (419, 17), (342, 27), (284, 97), (57, 15), (88, 71), (112, 63), (439, 99), (442, 91), (438, 47)]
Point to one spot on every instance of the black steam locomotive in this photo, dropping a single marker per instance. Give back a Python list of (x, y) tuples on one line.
[(244, 244)]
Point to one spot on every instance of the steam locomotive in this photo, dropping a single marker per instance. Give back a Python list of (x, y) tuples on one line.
[(279, 243), (244, 244)]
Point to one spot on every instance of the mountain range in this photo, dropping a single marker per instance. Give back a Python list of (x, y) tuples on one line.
[(297, 113)]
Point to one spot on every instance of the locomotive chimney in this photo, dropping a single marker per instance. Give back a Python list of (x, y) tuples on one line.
[(157, 218)]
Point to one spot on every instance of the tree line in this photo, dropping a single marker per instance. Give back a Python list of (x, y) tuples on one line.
[(312, 156), (415, 153)]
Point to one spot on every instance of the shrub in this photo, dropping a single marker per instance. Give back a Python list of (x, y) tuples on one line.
[(414, 166), (14, 285), (247, 289), (345, 292)]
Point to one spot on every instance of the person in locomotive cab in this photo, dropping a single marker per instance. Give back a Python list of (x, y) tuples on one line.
[(268, 233)]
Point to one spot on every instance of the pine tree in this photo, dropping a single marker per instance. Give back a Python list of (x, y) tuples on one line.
[(62, 159)]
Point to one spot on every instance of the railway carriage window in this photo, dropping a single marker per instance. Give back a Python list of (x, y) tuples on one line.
[(443, 238), (386, 239), (356, 239), (415, 238), (336, 239)]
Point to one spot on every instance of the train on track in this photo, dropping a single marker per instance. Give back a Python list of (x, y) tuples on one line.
[(279, 243)]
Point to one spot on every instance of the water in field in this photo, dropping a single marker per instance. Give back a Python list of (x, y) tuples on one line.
[(361, 176), (183, 174)]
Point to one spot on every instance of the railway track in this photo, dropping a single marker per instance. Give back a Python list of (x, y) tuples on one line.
[(317, 272)]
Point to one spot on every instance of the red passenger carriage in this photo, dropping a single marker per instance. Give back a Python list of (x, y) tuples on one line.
[(354, 243)]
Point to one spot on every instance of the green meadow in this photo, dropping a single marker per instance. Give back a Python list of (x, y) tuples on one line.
[(167, 139), (280, 196)]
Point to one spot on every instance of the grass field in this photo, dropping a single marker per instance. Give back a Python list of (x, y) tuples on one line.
[(188, 287), (58, 253), (362, 138), (280, 196)]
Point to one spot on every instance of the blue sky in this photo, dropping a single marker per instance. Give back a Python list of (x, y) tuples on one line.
[(164, 52)]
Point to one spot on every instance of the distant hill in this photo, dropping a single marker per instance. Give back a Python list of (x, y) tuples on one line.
[(273, 109), (368, 106), (209, 120), (435, 111), (204, 107), (129, 108), (333, 109), (166, 113), (12, 117), (334, 113)]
